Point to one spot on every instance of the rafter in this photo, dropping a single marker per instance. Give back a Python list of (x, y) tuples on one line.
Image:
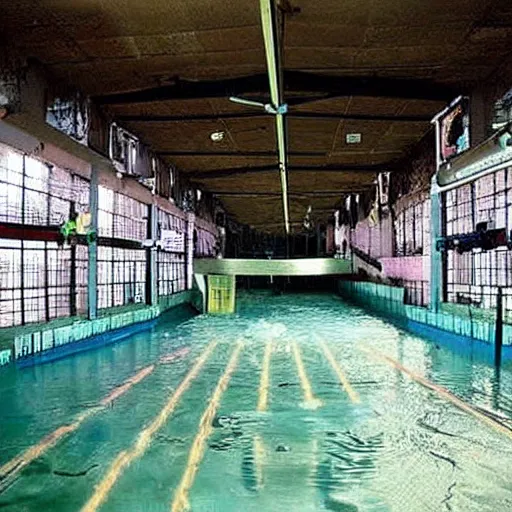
[(326, 86), (266, 154), (238, 171), (141, 118), (277, 195)]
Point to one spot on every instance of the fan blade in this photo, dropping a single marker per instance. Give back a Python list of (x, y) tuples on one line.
[(243, 101)]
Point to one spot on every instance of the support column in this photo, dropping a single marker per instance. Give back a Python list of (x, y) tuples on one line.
[(92, 270), (152, 258), (436, 259)]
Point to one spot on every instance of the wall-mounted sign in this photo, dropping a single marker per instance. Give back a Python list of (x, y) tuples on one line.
[(172, 241)]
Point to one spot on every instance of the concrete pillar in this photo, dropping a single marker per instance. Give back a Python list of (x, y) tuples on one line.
[(436, 259), (92, 282)]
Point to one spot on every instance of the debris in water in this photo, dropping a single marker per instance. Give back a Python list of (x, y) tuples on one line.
[(282, 448), (74, 474), (426, 426), (445, 458), (449, 496)]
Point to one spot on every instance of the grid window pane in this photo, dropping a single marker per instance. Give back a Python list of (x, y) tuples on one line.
[(36, 282), (412, 229), (121, 276), (121, 216), (473, 277), (32, 192), (171, 266)]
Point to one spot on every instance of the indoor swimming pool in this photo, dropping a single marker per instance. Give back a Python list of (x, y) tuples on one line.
[(299, 402)]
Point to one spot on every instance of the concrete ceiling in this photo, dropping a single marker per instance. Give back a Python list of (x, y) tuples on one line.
[(400, 62)]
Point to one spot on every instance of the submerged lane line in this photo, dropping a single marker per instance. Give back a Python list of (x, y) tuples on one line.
[(258, 448), (11, 468), (144, 438), (258, 445), (309, 398), (180, 501), (265, 379), (353, 395), (441, 391)]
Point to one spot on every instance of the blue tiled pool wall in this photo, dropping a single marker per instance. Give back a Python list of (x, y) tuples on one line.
[(51, 343), (458, 331)]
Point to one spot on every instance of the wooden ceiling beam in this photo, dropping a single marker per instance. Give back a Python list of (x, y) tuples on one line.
[(233, 171), (328, 86), (238, 171), (277, 195), (266, 154), (258, 115)]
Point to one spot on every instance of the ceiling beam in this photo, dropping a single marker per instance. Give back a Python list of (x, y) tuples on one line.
[(258, 115), (266, 154), (342, 167), (294, 81), (233, 171), (238, 171), (277, 195)]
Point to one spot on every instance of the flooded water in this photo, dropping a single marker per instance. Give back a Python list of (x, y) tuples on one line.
[(297, 403)]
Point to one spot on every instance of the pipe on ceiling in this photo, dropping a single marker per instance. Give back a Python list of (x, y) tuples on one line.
[(272, 51)]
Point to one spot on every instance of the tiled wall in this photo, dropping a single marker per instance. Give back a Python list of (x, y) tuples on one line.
[(408, 268), (50, 339), (389, 301)]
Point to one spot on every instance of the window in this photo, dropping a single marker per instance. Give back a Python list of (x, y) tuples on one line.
[(172, 180), (121, 276), (412, 229), (121, 263), (458, 210), (70, 116), (473, 277), (171, 273), (503, 111), (120, 216), (38, 281), (171, 262), (205, 244), (383, 183), (453, 129), (488, 199), (123, 149), (32, 192), (11, 185)]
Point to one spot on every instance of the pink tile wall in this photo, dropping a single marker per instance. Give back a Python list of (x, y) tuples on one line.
[(409, 268), (375, 240)]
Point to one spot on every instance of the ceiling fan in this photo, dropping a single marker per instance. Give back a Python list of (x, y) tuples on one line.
[(268, 107)]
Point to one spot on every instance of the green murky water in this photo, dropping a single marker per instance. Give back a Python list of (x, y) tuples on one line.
[(390, 444)]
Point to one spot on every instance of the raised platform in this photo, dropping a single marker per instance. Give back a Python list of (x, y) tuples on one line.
[(266, 267)]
